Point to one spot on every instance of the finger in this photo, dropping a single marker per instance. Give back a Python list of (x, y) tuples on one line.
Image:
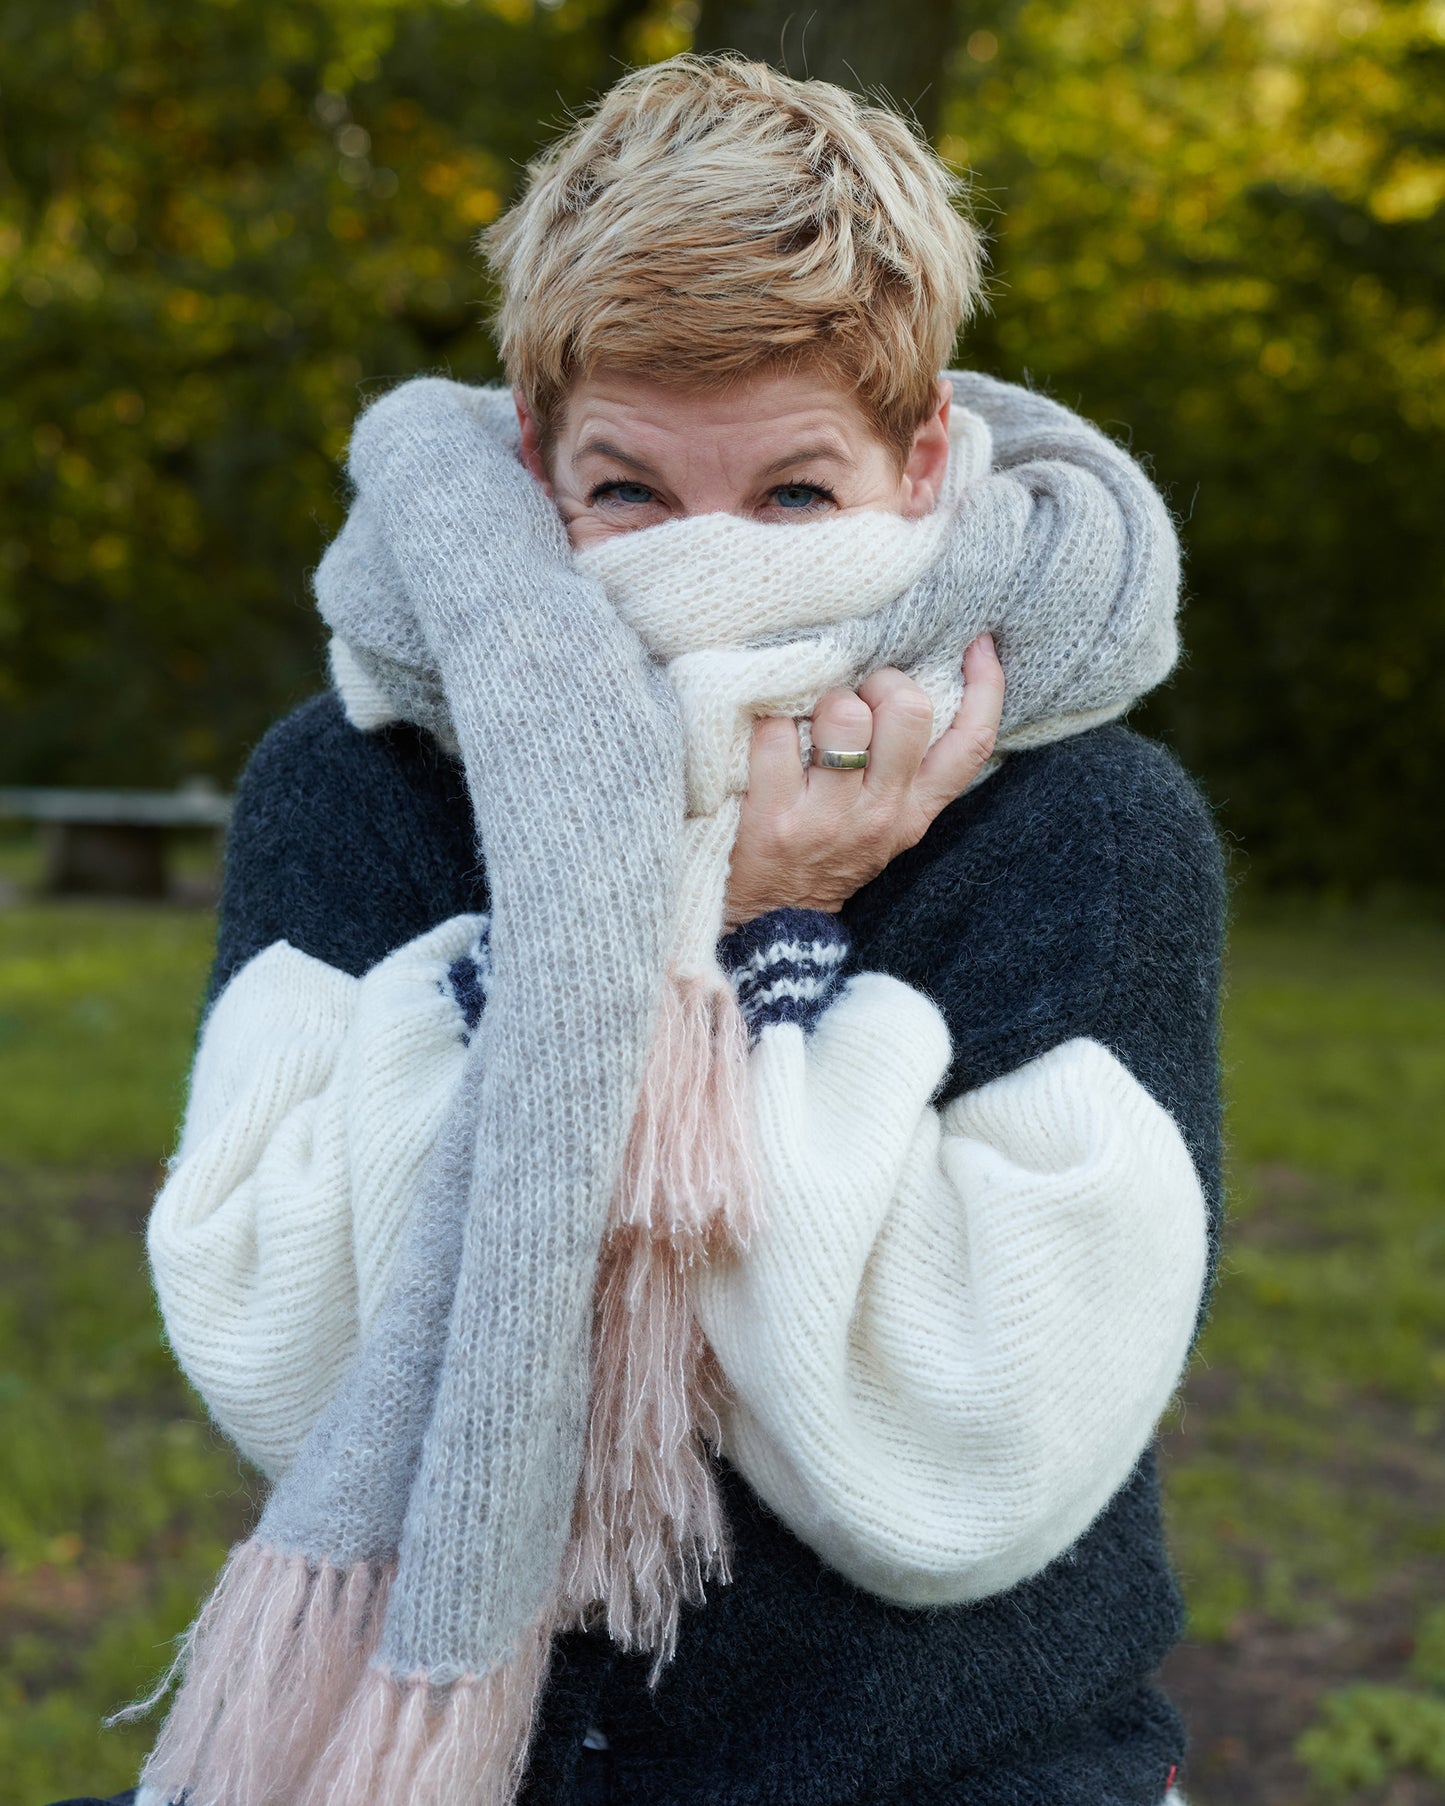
[(842, 722), (961, 752), (775, 764), (902, 728)]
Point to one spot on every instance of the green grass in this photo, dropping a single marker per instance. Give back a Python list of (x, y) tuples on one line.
[(98, 1009), (1329, 1315), (118, 1502), (1305, 1473), (1305, 1469)]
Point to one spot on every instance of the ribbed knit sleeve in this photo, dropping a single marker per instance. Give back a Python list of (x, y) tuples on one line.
[(315, 1101), (351, 970), (951, 1339), (1080, 892)]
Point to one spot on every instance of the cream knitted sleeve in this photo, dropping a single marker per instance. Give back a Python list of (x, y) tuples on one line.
[(952, 1337), (315, 1098)]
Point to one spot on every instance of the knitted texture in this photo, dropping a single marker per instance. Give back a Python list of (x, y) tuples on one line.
[(955, 1331), (1077, 893), (948, 1343), (429, 1455), (751, 621), (1048, 534), (370, 1066), (785, 966), (429, 1458)]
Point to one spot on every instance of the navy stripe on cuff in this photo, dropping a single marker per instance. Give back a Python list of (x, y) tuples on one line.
[(785, 966)]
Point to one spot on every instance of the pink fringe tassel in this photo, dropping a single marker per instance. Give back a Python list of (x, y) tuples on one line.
[(407, 1742), (280, 1708), (687, 1173), (277, 1650), (649, 1529)]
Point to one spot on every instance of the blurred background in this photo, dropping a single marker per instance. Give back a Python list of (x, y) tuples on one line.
[(1218, 229)]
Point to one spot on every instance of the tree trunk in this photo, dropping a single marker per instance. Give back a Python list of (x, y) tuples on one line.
[(899, 50)]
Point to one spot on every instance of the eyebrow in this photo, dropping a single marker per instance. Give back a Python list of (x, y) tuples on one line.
[(804, 454), (604, 448), (811, 454)]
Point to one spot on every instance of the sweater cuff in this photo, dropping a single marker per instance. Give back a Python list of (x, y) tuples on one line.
[(785, 966), (469, 978)]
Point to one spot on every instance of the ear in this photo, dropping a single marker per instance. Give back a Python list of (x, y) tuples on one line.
[(531, 441), (927, 463)]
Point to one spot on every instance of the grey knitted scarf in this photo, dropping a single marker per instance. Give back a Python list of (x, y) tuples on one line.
[(490, 1471)]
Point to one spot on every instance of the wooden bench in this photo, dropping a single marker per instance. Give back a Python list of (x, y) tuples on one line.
[(112, 842)]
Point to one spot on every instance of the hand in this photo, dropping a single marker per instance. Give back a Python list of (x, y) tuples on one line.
[(810, 837)]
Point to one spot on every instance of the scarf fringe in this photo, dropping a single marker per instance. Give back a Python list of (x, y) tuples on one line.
[(405, 1741), (270, 1662), (280, 1708), (649, 1529), (688, 1172)]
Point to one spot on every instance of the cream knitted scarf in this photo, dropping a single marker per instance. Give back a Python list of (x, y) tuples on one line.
[(521, 1444)]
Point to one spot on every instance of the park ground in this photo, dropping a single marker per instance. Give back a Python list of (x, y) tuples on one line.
[(1304, 1460)]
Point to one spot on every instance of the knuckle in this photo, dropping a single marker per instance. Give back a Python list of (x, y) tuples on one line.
[(914, 707), (852, 713), (881, 682)]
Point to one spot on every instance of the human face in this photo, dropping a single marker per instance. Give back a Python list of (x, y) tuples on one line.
[(780, 447)]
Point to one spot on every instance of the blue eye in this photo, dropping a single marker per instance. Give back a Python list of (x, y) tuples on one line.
[(635, 495), (800, 495)]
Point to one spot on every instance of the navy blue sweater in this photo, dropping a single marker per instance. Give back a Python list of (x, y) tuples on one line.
[(1078, 892)]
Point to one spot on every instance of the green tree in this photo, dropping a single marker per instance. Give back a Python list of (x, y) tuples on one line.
[(1220, 232), (219, 224), (859, 44)]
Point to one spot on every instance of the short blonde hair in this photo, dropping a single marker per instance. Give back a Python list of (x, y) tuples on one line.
[(710, 218)]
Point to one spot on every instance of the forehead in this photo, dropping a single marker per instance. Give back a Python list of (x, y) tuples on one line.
[(755, 415)]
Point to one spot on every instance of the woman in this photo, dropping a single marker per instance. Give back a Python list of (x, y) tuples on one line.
[(703, 1279)]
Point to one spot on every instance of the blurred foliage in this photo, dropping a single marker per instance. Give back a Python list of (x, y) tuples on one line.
[(1368, 1734), (217, 222), (1219, 231), (1222, 233)]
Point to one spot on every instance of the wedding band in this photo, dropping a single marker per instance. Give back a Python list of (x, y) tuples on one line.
[(840, 761)]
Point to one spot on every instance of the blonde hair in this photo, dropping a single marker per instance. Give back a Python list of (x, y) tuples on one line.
[(710, 218)]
